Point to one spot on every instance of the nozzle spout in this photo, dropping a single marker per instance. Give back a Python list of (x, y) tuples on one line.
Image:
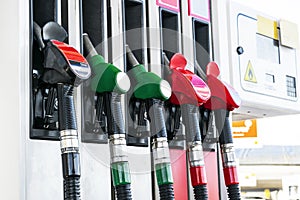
[(88, 46), (166, 59), (130, 57), (202, 74)]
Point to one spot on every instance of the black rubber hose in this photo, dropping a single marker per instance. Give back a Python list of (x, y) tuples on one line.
[(72, 188), (70, 160), (116, 111), (166, 192), (157, 125), (123, 192), (200, 192), (190, 118), (67, 115), (234, 192), (223, 126)]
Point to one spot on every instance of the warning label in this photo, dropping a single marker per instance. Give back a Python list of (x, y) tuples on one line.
[(250, 75)]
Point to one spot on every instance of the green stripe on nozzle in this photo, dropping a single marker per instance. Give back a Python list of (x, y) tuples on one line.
[(120, 173), (164, 174)]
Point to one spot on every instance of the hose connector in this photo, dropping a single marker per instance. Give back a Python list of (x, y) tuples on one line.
[(228, 155), (118, 148), (161, 153), (196, 157), (69, 141)]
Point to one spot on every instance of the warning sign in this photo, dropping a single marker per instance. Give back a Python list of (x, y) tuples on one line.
[(250, 75), (244, 129)]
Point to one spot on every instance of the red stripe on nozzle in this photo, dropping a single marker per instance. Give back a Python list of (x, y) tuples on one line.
[(198, 176), (230, 176)]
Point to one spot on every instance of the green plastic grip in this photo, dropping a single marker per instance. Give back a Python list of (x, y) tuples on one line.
[(148, 85), (107, 77)]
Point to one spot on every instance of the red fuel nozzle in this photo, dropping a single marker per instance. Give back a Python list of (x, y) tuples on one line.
[(187, 87), (223, 96)]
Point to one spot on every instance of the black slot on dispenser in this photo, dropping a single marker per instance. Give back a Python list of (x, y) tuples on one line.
[(134, 27), (169, 32), (96, 25), (43, 97), (201, 39)]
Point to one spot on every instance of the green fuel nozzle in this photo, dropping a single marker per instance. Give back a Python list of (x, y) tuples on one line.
[(109, 83), (147, 85), (153, 90), (107, 77)]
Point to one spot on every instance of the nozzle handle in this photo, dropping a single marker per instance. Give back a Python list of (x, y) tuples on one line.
[(88, 46)]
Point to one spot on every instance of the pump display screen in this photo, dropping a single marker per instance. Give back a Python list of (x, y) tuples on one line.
[(267, 49)]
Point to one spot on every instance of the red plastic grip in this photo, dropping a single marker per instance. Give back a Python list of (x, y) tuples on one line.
[(230, 176), (198, 175)]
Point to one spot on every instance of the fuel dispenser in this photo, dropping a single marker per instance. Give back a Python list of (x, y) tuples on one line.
[(223, 100), (188, 93), (164, 31), (196, 28), (134, 29), (47, 114), (262, 59), (151, 90), (109, 83), (132, 15), (165, 38), (64, 69), (197, 49), (110, 25), (95, 24)]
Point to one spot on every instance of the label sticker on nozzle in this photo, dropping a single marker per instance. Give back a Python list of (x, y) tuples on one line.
[(250, 75)]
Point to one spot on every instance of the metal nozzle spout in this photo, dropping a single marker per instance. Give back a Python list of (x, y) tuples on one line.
[(166, 59), (88, 46), (200, 71), (130, 57)]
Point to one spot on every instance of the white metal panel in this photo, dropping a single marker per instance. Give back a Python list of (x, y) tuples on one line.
[(117, 34), (154, 38), (263, 98), (11, 172)]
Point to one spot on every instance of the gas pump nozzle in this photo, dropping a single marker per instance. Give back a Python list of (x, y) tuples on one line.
[(151, 89), (64, 69), (188, 93), (224, 99), (109, 83)]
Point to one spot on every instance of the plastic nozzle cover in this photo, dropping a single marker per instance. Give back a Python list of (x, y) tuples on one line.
[(107, 77), (187, 87), (146, 85), (223, 96)]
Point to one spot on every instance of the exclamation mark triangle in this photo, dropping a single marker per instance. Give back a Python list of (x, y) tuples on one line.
[(250, 75)]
